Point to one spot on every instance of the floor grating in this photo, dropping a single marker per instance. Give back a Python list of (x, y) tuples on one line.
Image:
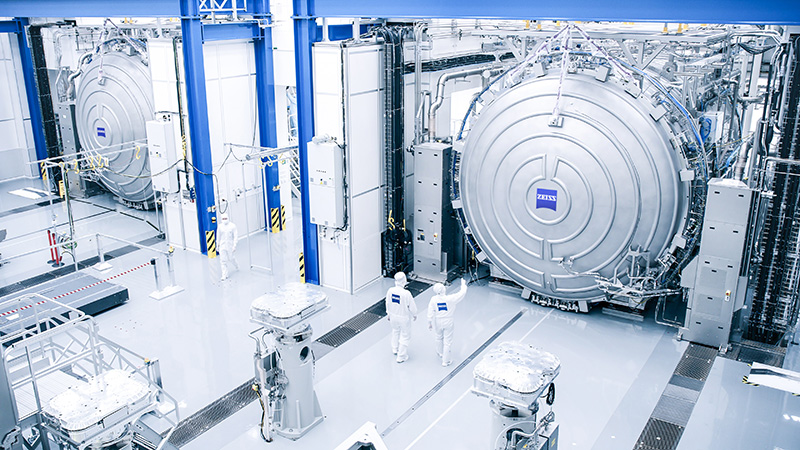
[(659, 435), (672, 412), (224, 407)]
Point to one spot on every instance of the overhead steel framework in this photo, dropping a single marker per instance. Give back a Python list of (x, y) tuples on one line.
[(786, 12)]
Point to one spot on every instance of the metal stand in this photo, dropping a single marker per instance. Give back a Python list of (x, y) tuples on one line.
[(514, 400), (284, 366), (299, 410)]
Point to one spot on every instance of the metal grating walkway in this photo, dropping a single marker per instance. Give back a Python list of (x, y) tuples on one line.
[(230, 403), (669, 418)]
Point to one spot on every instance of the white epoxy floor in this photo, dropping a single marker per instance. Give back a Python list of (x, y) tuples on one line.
[(27, 227), (613, 370)]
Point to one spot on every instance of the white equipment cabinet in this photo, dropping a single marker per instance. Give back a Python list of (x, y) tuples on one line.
[(161, 147), (326, 183)]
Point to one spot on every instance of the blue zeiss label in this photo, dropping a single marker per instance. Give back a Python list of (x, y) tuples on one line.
[(546, 198), (395, 298), (442, 306), (101, 132)]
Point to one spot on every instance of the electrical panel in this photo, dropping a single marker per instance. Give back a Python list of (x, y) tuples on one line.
[(326, 183), (161, 147), (716, 287)]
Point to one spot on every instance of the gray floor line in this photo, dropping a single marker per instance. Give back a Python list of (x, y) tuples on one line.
[(450, 376), (198, 423), (26, 208)]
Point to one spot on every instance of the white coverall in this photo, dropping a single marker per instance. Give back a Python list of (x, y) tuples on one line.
[(227, 237), (440, 318), (401, 309)]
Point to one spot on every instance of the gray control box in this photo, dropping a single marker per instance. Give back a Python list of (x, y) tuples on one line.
[(715, 287)]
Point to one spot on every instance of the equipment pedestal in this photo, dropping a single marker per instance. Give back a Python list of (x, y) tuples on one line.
[(298, 411)]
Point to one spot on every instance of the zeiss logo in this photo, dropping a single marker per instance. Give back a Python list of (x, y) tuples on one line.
[(395, 298), (442, 306), (546, 198), (101, 132)]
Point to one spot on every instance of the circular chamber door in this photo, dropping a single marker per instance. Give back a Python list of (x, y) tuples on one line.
[(555, 206), (111, 111)]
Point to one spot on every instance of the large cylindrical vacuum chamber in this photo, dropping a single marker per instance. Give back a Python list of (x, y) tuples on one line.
[(557, 202), (113, 102)]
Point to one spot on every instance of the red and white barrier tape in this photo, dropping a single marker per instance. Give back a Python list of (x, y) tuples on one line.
[(76, 290)]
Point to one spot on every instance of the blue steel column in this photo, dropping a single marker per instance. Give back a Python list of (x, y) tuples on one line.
[(265, 90), (197, 108), (31, 91), (304, 27)]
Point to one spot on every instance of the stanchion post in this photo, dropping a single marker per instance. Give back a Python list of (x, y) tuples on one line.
[(164, 292), (155, 273), (101, 266), (100, 256), (170, 270)]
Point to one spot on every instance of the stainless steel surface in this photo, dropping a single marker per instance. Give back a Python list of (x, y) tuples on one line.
[(114, 100), (609, 175)]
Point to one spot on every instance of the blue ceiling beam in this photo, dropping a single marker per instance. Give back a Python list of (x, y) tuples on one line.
[(90, 8), (9, 26), (230, 31), (786, 12)]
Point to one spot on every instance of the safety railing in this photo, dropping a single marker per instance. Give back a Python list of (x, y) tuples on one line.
[(103, 266)]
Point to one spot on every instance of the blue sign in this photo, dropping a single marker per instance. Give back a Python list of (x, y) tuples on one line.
[(395, 298), (101, 132), (442, 306), (546, 198)]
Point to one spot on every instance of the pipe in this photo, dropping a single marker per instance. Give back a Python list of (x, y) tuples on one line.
[(440, 93), (419, 29), (357, 30), (76, 74), (741, 160)]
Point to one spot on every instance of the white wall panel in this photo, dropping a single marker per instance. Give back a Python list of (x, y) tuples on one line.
[(16, 146), (364, 141), (351, 259), (367, 226), (231, 97)]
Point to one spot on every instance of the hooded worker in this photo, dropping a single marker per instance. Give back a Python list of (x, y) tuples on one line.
[(440, 318), (401, 310), (227, 237)]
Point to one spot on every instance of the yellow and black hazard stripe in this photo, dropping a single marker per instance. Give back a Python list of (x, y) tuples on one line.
[(744, 380), (44, 171), (275, 219), (211, 244), (283, 217), (302, 269)]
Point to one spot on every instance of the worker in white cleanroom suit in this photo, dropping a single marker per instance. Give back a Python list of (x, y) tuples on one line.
[(401, 310), (227, 237), (440, 318)]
